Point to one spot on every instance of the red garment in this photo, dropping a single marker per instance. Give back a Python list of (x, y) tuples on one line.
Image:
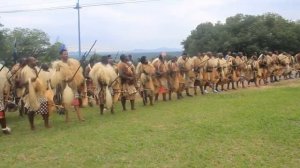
[(75, 102), (162, 90), (2, 114)]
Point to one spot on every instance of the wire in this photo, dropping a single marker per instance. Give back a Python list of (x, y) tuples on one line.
[(116, 3), (30, 4), (72, 6), (34, 10)]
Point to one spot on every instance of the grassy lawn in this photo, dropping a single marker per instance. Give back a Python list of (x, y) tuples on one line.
[(255, 127)]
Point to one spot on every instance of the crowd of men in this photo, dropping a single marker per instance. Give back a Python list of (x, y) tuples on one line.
[(65, 84)]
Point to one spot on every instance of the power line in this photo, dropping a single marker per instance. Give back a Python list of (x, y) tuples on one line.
[(30, 4), (72, 6), (116, 3), (35, 10)]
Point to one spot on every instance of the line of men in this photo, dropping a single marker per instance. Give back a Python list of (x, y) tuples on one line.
[(180, 74), (40, 90)]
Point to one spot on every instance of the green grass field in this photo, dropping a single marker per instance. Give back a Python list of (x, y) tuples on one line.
[(255, 127)]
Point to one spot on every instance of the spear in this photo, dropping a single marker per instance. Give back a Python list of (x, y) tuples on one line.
[(116, 55), (15, 55), (2, 67), (83, 58), (12, 75)]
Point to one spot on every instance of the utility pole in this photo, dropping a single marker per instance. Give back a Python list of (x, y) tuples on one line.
[(79, 39)]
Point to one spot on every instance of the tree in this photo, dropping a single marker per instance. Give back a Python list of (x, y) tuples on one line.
[(246, 33), (29, 42), (4, 49), (52, 52)]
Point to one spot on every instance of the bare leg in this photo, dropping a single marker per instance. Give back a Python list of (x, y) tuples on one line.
[(243, 83), (123, 101), (151, 100), (101, 108), (46, 120), (156, 97), (67, 119), (228, 84), (187, 92), (195, 90), (31, 119), (233, 85), (170, 95), (164, 96), (201, 88), (112, 109), (78, 113), (5, 129), (132, 104)]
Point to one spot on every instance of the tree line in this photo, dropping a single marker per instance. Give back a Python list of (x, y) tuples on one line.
[(23, 42), (245, 33)]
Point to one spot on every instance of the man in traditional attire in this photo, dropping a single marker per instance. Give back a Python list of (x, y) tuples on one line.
[(174, 78), (200, 68), (255, 70), (15, 80), (185, 67), (232, 71), (265, 61), (127, 76), (116, 85), (297, 65), (103, 76), (68, 79), (34, 96), (4, 91), (275, 67), (5, 128), (222, 69), (89, 83), (145, 73), (212, 76), (161, 76)]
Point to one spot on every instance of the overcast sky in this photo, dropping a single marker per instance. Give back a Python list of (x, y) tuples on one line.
[(147, 25)]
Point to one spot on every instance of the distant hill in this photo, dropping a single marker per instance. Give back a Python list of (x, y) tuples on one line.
[(137, 53), (163, 49), (150, 55)]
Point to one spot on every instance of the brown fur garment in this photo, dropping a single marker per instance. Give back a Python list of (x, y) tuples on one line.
[(66, 71)]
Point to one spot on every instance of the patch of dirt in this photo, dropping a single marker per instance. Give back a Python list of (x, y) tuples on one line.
[(281, 83)]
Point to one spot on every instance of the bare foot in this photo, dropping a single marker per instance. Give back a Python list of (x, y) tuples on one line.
[(48, 126), (6, 130), (32, 128)]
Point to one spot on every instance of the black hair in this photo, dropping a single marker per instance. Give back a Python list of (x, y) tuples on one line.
[(104, 59), (143, 59), (45, 67), (61, 51), (122, 57)]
